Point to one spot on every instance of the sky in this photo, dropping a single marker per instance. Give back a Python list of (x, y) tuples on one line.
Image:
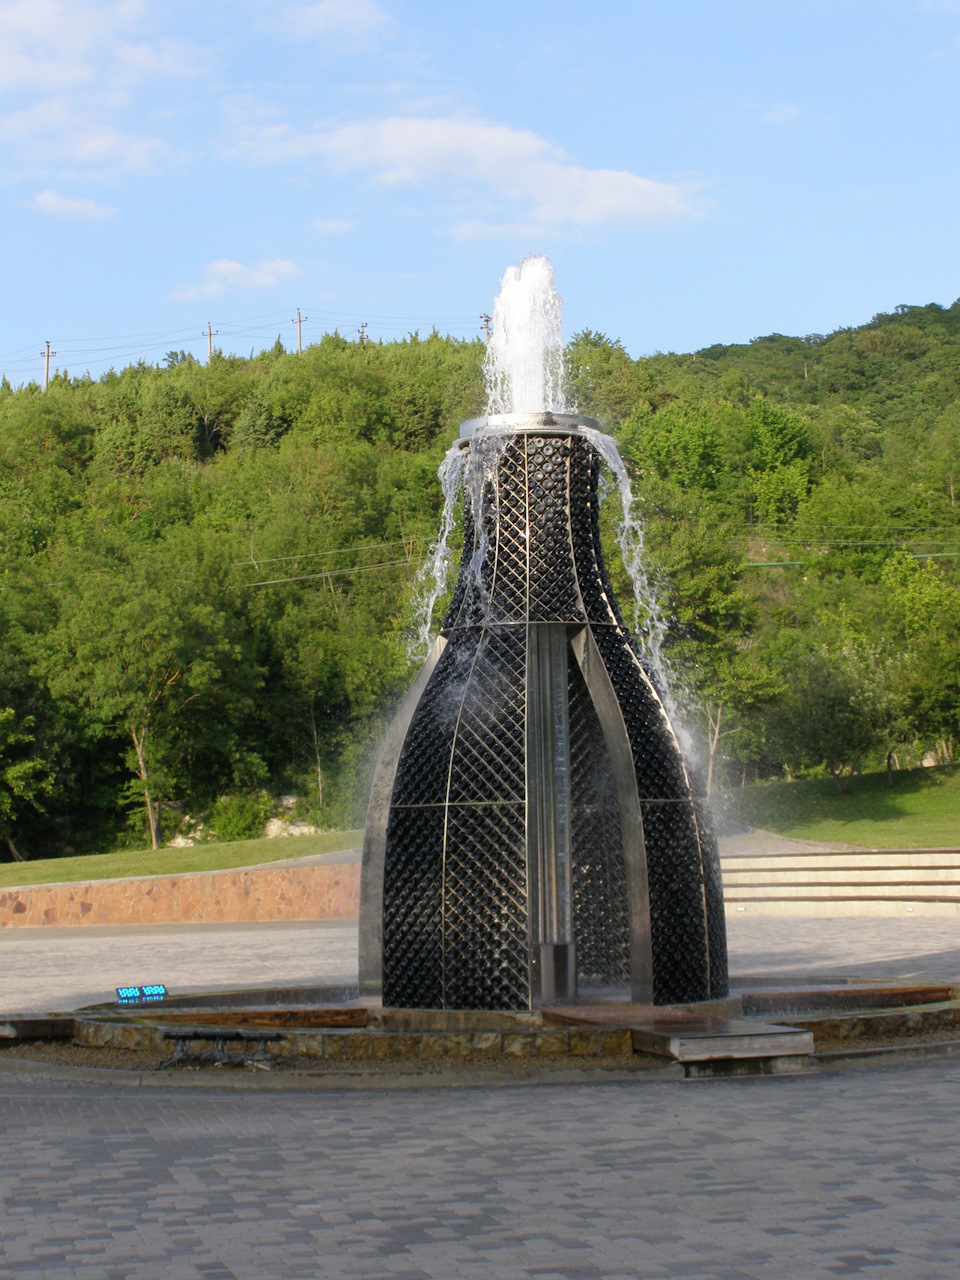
[(698, 171)]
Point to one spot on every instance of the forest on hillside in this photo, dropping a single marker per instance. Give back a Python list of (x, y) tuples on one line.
[(209, 570)]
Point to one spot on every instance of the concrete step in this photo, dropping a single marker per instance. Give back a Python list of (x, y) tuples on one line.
[(686, 1036), (818, 889), (863, 860), (846, 906), (870, 882), (842, 875)]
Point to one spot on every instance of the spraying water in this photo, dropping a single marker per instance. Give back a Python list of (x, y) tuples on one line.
[(524, 365), (431, 581), (648, 621), (523, 371)]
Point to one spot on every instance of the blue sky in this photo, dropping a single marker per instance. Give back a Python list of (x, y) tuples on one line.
[(698, 171)]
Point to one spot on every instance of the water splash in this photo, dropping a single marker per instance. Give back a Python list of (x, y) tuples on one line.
[(474, 471), (481, 485), (648, 621), (431, 581), (523, 369)]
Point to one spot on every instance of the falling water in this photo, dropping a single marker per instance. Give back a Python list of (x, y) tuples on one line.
[(475, 471), (648, 622), (524, 364), (524, 374), (523, 371), (431, 581)]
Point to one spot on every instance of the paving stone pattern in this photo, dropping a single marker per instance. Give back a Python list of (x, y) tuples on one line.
[(797, 947), (851, 1174), (68, 968)]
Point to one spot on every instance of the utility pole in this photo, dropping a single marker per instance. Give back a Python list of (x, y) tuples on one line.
[(46, 353), (363, 333), (298, 322), (486, 325), (210, 335)]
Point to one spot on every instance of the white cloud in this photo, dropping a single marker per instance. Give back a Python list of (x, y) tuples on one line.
[(515, 165), (51, 44), (58, 130), (782, 113), (75, 67), (71, 206), (54, 45), (333, 226), (225, 274), (354, 21)]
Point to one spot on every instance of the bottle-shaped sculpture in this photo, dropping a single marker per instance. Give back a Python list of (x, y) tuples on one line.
[(533, 833)]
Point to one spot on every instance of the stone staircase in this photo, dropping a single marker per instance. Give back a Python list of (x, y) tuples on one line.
[(870, 882)]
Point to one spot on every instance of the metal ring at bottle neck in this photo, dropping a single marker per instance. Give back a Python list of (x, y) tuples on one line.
[(559, 423)]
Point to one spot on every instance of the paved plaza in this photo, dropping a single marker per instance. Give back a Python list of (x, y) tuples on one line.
[(846, 1173), (70, 967), (67, 968), (849, 1174)]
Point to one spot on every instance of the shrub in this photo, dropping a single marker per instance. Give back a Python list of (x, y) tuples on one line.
[(241, 817)]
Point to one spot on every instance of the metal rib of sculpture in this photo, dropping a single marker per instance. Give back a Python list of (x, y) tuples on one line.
[(533, 832)]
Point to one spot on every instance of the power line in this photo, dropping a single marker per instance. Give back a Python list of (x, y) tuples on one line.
[(887, 528), (331, 573), (149, 342), (801, 564), (229, 327), (855, 542), (337, 551)]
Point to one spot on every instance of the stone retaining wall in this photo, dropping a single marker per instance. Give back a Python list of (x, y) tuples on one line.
[(328, 892)]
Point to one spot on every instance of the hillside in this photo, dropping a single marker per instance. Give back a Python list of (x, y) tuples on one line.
[(208, 569)]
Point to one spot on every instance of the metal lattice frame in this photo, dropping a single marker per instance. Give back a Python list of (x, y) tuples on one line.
[(533, 828)]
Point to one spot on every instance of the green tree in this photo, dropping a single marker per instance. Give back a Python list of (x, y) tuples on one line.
[(780, 472), (837, 710), (731, 692), (940, 456), (24, 778), (926, 613), (601, 378), (145, 644)]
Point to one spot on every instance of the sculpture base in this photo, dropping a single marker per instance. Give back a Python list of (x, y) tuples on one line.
[(553, 973)]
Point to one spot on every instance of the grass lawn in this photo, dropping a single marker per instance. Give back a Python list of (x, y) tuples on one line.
[(157, 862), (920, 811)]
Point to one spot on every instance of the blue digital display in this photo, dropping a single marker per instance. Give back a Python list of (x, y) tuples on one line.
[(141, 995)]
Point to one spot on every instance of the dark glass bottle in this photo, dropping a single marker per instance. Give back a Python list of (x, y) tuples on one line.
[(534, 833)]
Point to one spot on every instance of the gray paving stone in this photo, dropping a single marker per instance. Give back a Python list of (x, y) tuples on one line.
[(853, 1174), (66, 968)]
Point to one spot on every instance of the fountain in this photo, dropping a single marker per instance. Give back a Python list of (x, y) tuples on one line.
[(534, 834), (538, 867)]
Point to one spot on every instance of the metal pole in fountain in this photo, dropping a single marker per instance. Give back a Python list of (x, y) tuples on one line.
[(534, 834)]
